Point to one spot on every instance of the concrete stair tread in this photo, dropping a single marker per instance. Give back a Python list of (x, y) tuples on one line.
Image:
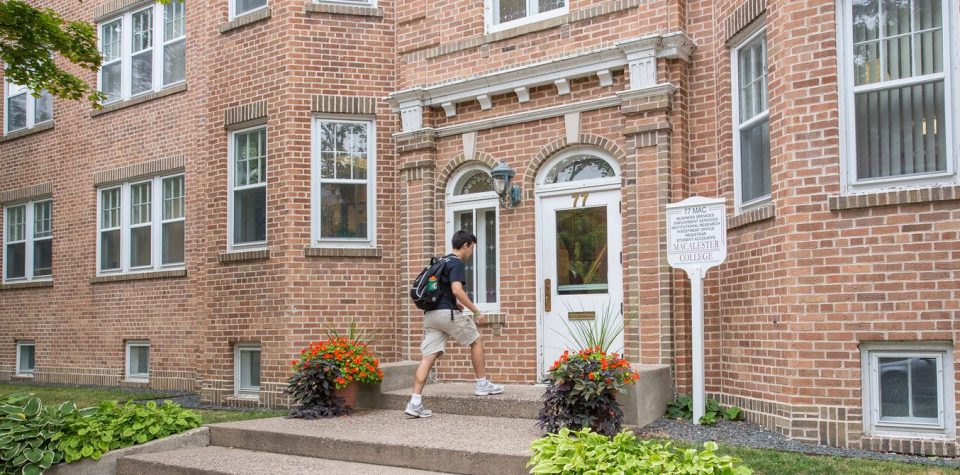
[(519, 392), (215, 460), (517, 401)]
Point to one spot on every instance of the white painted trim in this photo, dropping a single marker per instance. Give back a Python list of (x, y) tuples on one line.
[(475, 201), (137, 377), (542, 188), (231, 189), (245, 393), (945, 428), (849, 184), (29, 373), (493, 25), (371, 181), (31, 109), (750, 34), (233, 9)]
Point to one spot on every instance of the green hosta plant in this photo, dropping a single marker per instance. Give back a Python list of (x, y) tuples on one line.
[(27, 429), (682, 408), (586, 452), (113, 426)]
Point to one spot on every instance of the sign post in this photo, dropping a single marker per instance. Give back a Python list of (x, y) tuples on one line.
[(697, 241)]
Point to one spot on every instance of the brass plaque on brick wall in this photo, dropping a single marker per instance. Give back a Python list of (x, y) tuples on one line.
[(581, 315)]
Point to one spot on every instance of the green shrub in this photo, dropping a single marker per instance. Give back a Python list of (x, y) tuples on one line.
[(682, 408), (113, 426), (586, 452), (27, 428)]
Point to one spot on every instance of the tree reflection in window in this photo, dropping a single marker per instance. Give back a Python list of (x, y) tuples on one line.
[(476, 182), (578, 168)]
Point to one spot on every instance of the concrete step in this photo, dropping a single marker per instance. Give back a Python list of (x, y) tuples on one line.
[(221, 460), (449, 443), (517, 401)]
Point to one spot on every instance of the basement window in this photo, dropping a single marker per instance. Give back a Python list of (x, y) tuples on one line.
[(138, 361), (26, 358), (247, 370)]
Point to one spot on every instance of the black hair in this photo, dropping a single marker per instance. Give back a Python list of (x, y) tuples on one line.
[(461, 238)]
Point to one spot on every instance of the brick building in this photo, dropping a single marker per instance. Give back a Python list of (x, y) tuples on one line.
[(266, 169)]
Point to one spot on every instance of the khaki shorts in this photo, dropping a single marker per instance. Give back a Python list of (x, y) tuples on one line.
[(437, 326)]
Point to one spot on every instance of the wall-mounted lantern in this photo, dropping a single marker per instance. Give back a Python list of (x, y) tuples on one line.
[(502, 176)]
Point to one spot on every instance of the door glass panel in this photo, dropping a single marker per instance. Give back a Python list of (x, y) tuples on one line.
[(582, 251), (464, 221)]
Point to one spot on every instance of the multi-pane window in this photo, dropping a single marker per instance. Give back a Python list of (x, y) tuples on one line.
[(507, 13), (899, 104), (28, 241), (248, 195), (141, 225), (752, 132), (26, 358), (908, 389), (472, 205), (344, 186), (143, 51), (247, 365), (242, 7), (23, 110), (138, 360)]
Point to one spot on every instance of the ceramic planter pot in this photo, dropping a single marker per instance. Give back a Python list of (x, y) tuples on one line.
[(349, 394)]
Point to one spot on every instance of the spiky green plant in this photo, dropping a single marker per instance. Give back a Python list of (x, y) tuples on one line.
[(602, 331)]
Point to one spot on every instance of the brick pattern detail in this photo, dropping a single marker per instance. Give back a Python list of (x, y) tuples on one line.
[(245, 113), (27, 132), (572, 17), (163, 274), (26, 193), (244, 20), (322, 103), (237, 256), (421, 140), (763, 213), (342, 252), (110, 8), (892, 198), (355, 10), (745, 14), (928, 447), (139, 100), (140, 170), (27, 285), (174, 380), (91, 376)]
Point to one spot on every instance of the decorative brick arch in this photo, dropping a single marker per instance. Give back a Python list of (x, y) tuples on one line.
[(607, 145), (461, 161)]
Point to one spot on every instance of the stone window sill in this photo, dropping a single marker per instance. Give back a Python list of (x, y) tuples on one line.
[(24, 377), (27, 285), (133, 101), (895, 197), (26, 132), (342, 252), (340, 9), (238, 256), (243, 401), (756, 215), (245, 19), (163, 274)]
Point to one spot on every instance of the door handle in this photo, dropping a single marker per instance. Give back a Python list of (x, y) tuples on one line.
[(547, 291)]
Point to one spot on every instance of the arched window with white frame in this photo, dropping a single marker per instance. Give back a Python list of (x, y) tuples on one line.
[(472, 206)]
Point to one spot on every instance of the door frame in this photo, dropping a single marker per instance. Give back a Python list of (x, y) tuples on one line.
[(541, 192)]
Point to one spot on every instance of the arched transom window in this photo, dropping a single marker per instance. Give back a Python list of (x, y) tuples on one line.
[(474, 181), (472, 206), (579, 165)]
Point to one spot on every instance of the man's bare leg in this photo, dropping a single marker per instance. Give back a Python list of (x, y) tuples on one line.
[(478, 359), (423, 371)]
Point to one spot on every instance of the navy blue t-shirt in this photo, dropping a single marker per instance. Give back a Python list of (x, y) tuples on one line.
[(454, 271)]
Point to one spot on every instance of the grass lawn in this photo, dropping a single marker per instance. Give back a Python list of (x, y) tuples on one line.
[(91, 396), (773, 462)]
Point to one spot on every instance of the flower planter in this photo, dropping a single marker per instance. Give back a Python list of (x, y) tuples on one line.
[(349, 394)]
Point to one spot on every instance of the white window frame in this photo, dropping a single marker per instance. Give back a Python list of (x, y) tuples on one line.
[(13, 90), (28, 240), (126, 54), (849, 184), (238, 391), (371, 181), (360, 3), (232, 189), (752, 33), (493, 25), (233, 9), (137, 377), (869, 360), (472, 202), (28, 373), (156, 222)]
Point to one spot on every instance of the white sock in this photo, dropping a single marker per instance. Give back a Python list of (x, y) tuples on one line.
[(416, 399), (481, 381)]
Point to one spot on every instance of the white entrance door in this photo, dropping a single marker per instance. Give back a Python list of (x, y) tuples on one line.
[(580, 271)]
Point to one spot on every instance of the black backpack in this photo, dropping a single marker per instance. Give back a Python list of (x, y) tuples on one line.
[(422, 295)]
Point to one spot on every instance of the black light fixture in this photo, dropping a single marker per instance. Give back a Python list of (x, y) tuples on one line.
[(509, 194)]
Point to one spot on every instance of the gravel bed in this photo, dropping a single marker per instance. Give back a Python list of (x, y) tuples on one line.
[(745, 434)]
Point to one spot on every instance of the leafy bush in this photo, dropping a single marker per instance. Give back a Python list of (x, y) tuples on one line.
[(682, 408), (586, 452), (312, 387), (113, 426), (27, 428), (582, 391), (354, 362)]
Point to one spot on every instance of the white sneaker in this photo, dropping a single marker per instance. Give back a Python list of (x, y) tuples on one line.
[(417, 411), (486, 388)]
